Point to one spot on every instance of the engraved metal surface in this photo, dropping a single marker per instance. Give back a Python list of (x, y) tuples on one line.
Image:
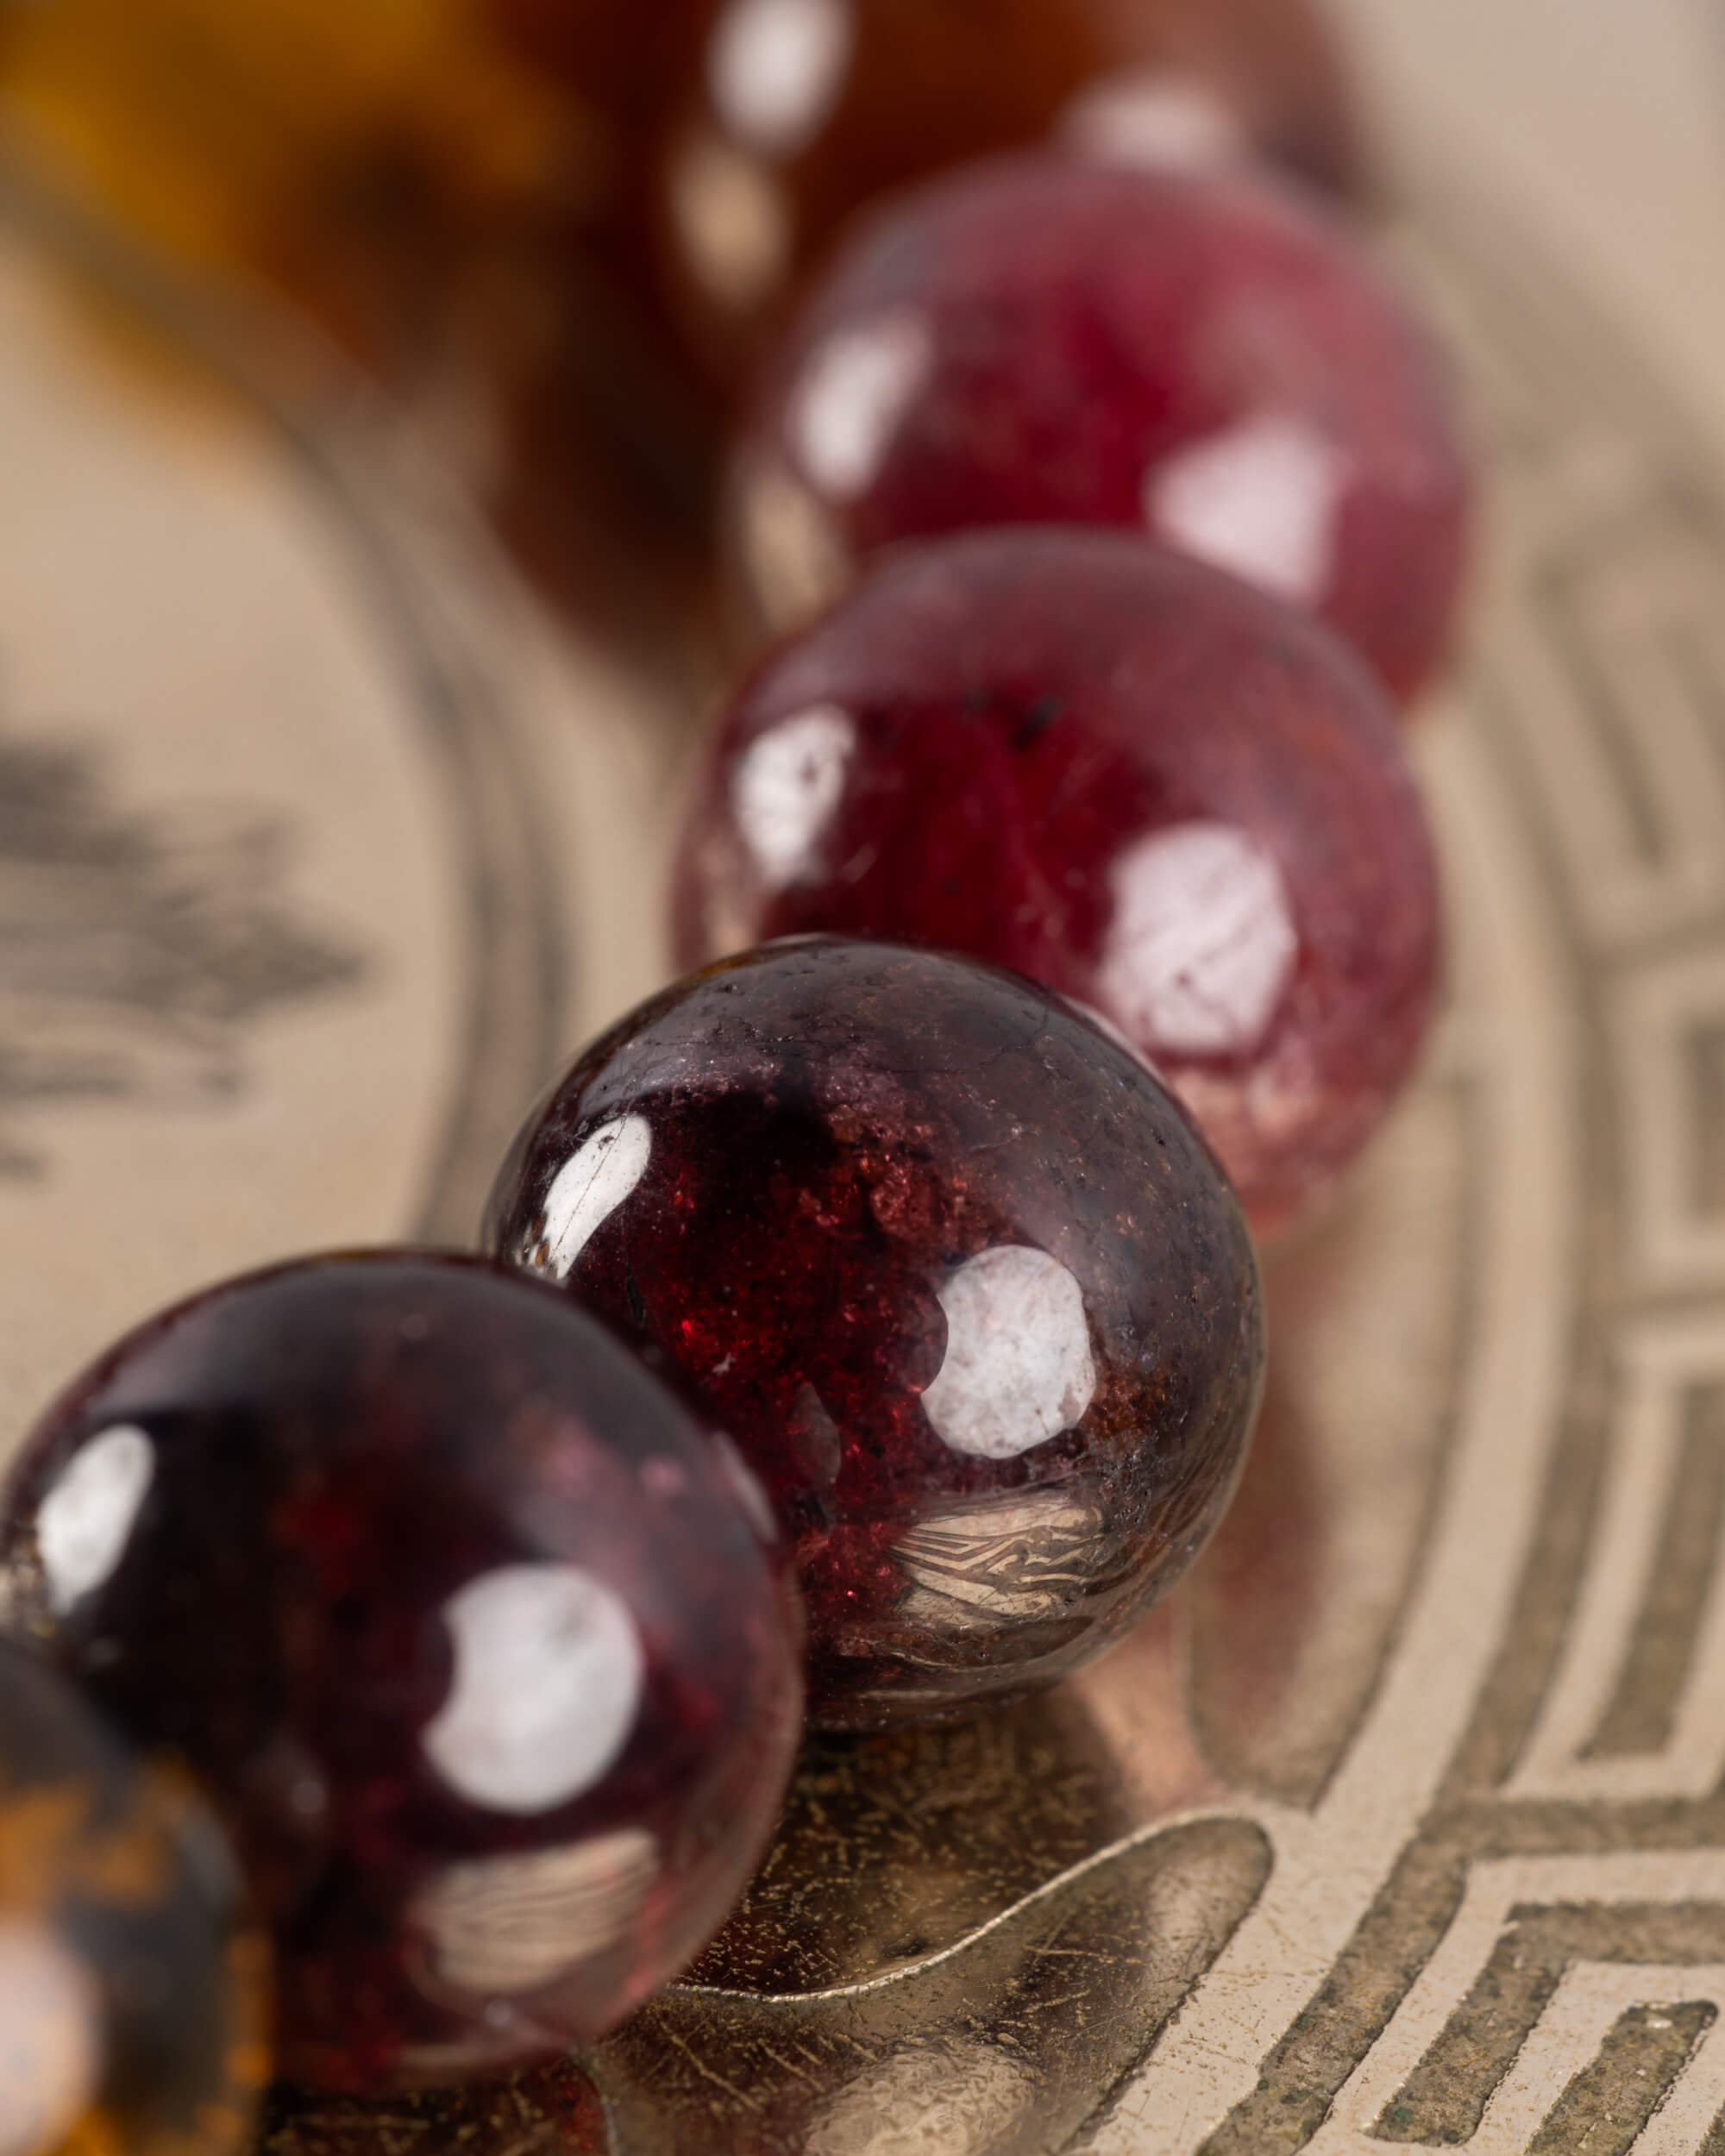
[(1403, 1827), (1403, 1830)]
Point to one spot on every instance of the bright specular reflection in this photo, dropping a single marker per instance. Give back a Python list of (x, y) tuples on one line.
[(50, 2018), (786, 785), (1261, 501), (853, 393), (549, 1675), (1202, 944), (589, 1188), (502, 1926), (1018, 1368), (775, 67), (87, 1518), (1151, 116)]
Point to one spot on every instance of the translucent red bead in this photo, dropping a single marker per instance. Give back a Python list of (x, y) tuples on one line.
[(955, 1271), (1209, 361), (464, 1622), (1123, 773)]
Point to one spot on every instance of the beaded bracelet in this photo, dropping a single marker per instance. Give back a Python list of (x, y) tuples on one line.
[(879, 1292)]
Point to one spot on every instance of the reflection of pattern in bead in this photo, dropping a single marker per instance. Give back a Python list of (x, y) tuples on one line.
[(955, 1272)]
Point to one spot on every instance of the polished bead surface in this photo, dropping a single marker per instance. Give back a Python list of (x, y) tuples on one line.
[(464, 1621), (1207, 359), (745, 133), (1124, 773), (952, 1268), (134, 2001)]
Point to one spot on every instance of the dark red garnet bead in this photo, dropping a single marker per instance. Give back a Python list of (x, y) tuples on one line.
[(1124, 773), (133, 2000), (1208, 359), (464, 1622), (956, 1272)]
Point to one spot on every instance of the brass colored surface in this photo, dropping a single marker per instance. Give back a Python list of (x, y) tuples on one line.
[(1404, 1827)]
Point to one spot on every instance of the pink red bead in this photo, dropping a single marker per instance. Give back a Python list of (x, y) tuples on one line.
[(464, 1622), (957, 1274), (1209, 361), (1123, 773)]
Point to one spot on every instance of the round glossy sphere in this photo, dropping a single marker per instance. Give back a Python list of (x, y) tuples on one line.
[(463, 1618), (1124, 773), (133, 2003), (956, 1272), (1206, 359), (748, 131)]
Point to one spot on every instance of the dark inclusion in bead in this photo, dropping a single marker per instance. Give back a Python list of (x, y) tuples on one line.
[(953, 1268), (133, 1999), (463, 1618)]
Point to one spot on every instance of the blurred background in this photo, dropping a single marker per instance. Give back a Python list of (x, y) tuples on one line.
[(560, 233)]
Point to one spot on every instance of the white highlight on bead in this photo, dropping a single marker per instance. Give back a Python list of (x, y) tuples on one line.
[(50, 2042), (785, 787), (854, 392), (1260, 499), (1153, 117), (87, 1518), (1018, 1368), (549, 1673), (589, 1188), (774, 69), (1202, 944), (502, 1926)]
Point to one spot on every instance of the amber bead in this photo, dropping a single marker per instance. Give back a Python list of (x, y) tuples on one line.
[(952, 1268), (1127, 774), (133, 2000), (462, 1619)]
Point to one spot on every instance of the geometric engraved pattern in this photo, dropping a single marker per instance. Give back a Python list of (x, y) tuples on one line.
[(1665, 1020), (1667, 1366), (1439, 2052), (1505, 1930), (1618, 626)]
